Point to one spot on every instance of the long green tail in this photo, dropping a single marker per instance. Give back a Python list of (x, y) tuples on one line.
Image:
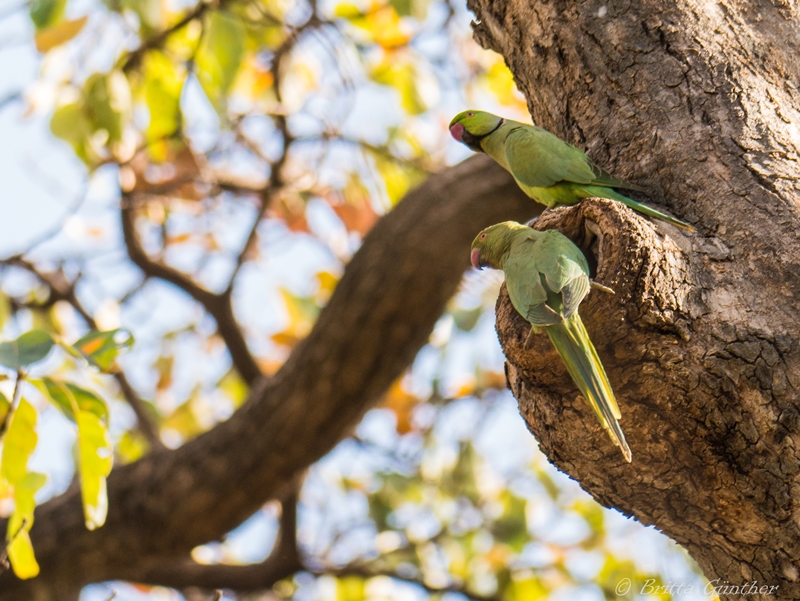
[(580, 357), (643, 209)]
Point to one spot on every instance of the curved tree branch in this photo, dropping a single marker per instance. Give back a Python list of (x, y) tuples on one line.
[(220, 306), (282, 562), (381, 313)]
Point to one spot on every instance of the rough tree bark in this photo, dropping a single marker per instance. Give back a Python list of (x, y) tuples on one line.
[(380, 315), (698, 102)]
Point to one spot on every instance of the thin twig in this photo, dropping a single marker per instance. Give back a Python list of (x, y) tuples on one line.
[(4, 565), (158, 40), (14, 401)]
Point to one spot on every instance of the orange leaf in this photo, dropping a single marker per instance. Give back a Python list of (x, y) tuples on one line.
[(179, 239), (293, 215), (268, 366), (285, 339), (402, 404), (58, 34), (356, 218), (386, 27), (92, 345)]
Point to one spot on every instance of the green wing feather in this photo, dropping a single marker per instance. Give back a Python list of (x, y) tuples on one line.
[(573, 345), (526, 289), (540, 159), (547, 277)]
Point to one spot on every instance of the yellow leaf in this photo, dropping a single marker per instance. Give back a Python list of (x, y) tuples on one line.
[(346, 10), (162, 87), (19, 443), (350, 588), (58, 34), (253, 81), (234, 387), (302, 313), (95, 462), (327, 282), (20, 551), (501, 83), (396, 179), (20, 554), (387, 28)]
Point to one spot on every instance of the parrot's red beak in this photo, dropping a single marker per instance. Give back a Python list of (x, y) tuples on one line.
[(475, 258), (457, 131)]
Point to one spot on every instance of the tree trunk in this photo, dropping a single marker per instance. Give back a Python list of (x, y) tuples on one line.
[(697, 102)]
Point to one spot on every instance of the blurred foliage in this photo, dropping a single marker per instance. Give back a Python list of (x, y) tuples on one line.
[(18, 419), (252, 145)]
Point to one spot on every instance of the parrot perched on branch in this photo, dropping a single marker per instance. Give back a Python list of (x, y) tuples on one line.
[(547, 277), (547, 169)]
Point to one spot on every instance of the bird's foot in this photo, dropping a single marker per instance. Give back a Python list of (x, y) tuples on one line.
[(529, 340), (600, 287)]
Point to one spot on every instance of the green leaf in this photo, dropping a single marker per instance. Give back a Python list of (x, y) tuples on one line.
[(29, 348), (19, 443), (467, 319), (71, 125), (511, 527), (45, 13), (403, 7), (220, 56), (149, 12), (108, 103), (95, 460), (71, 399), (102, 348)]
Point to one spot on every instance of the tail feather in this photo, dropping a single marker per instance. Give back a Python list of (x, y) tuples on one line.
[(645, 210), (580, 358)]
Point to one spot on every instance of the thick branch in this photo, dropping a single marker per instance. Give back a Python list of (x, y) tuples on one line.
[(379, 316), (282, 562)]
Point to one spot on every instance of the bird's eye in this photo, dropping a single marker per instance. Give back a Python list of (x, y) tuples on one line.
[(470, 114), (482, 237)]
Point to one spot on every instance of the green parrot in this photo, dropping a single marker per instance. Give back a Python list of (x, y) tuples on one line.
[(547, 277), (547, 169)]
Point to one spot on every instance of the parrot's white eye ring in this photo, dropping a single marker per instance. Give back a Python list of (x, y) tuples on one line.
[(470, 114)]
